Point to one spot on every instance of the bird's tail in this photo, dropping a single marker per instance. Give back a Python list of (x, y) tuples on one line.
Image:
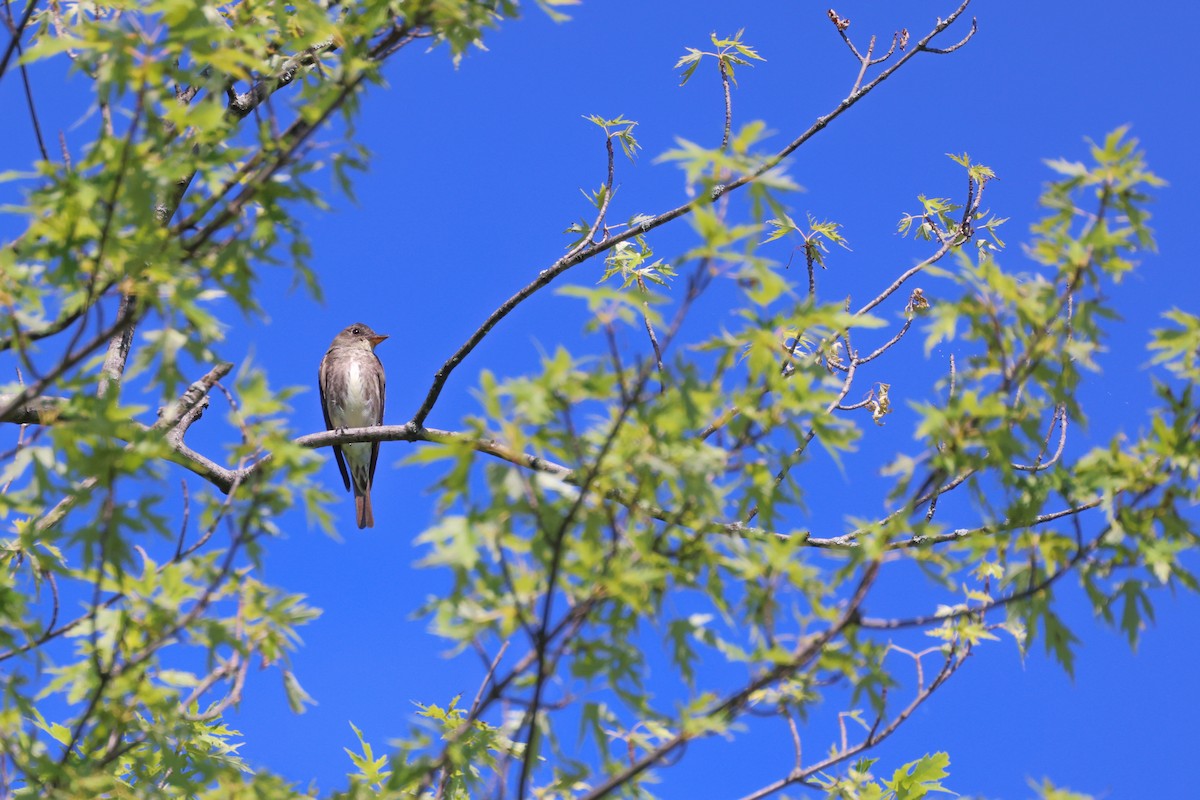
[(362, 505)]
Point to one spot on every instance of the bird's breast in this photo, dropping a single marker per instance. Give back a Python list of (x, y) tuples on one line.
[(359, 406)]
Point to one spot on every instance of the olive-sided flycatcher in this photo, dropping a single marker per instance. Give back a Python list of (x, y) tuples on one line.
[(352, 390)]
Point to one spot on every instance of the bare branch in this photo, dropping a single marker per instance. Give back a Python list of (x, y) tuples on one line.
[(945, 248), (883, 348), (1059, 419), (923, 46)]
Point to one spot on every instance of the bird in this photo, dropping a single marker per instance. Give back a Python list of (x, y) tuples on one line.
[(352, 386)]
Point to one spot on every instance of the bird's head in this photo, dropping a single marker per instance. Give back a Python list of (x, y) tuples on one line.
[(359, 335)]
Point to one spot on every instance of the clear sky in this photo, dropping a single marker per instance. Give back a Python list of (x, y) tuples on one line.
[(475, 174)]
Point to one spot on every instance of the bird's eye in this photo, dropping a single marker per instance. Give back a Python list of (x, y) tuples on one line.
[(355, 330)]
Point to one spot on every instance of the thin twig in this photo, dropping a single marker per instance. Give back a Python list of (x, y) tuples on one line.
[(17, 32), (33, 117), (728, 104)]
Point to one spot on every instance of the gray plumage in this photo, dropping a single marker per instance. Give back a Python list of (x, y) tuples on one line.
[(352, 388)]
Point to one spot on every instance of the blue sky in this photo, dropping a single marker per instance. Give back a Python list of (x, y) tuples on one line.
[(476, 171)]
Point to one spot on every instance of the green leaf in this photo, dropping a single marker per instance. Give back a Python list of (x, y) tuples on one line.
[(917, 779), (298, 699)]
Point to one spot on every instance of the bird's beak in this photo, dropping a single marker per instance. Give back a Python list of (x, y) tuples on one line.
[(376, 339)]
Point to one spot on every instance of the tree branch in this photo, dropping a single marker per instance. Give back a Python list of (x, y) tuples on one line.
[(954, 660), (17, 32), (573, 259), (734, 704), (68, 362)]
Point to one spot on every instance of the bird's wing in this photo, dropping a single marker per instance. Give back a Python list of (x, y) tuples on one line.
[(378, 414), (337, 451)]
